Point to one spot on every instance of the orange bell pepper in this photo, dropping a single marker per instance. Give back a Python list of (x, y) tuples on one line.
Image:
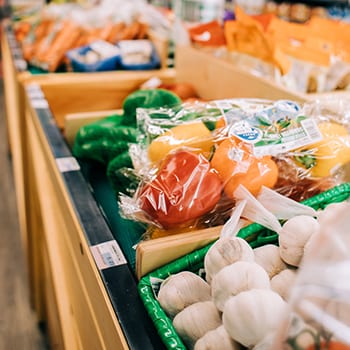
[(236, 164)]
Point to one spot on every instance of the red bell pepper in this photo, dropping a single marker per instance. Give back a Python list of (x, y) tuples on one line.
[(184, 189)]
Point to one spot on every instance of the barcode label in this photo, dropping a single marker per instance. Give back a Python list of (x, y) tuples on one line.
[(310, 127), (108, 254), (66, 164)]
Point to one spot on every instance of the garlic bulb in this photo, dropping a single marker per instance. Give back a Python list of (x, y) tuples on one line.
[(235, 278), (226, 251), (293, 237), (282, 282), (215, 339), (331, 211), (249, 316), (181, 290), (266, 343), (268, 257), (196, 320)]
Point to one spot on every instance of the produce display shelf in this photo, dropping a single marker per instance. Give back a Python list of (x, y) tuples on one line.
[(117, 277), (255, 234), (81, 285)]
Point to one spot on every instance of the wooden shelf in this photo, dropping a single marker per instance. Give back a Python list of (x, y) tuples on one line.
[(81, 285)]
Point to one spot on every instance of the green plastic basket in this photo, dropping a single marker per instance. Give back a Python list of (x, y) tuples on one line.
[(255, 234)]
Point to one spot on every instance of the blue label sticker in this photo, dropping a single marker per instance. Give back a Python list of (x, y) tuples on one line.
[(245, 132)]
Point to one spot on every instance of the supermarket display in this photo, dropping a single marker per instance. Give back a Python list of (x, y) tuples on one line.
[(274, 48), (61, 35), (220, 222), (247, 315)]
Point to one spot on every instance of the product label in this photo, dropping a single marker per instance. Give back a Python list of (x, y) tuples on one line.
[(107, 254), (272, 127), (66, 164), (37, 97)]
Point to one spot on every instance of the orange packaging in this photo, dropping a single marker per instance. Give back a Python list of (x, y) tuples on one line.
[(247, 35), (208, 34), (53, 51)]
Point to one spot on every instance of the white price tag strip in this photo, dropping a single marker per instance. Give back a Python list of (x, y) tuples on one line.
[(66, 164), (20, 64), (108, 254), (40, 104), (33, 87), (37, 97)]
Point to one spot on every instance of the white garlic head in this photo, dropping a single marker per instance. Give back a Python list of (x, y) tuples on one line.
[(196, 320), (235, 278), (249, 316), (216, 339), (181, 290), (294, 235), (283, 282), (226, 251), (268, 257)]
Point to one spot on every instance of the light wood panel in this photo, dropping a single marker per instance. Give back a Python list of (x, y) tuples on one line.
[(84, 313), (215, 78)]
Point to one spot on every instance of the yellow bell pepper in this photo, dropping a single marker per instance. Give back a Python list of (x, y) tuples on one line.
[(195, 136), (332, 151)]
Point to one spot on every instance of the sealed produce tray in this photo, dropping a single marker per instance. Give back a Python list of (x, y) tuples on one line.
[(255, 234)]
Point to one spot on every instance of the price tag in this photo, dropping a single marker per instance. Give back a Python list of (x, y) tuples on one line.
[(31, 88), (108, 254), (20, 64), (66, 164), (36, 96), (40, 103)]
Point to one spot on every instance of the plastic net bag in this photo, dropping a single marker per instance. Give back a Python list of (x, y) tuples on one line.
[(320, 308)]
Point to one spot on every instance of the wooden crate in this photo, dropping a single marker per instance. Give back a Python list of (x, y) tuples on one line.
[(69, 93), (216, 78)]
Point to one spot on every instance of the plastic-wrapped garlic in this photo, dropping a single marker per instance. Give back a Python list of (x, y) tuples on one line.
[(268, 257), (181, 290), (215, 339), (294, 235), (226, 251), (235, 278), (196, 320)]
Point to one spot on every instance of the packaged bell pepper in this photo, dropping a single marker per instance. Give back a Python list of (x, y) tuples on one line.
[(297, 150), (185, 188)]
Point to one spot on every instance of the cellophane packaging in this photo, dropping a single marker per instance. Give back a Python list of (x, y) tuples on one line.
[(191, 158)]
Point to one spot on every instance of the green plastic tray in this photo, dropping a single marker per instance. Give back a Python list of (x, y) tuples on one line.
[(255, 234)]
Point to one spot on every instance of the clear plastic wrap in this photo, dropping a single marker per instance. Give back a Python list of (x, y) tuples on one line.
[(310, 57), (299, 151), (319, 299)]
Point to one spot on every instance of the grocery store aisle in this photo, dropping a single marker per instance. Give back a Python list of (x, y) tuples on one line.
[(18, 326)]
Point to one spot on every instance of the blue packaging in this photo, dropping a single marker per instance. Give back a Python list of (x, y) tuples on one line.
[(106, 64)]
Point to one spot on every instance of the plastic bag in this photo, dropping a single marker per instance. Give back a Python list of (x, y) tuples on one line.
[(320, 308), (249, 142)]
